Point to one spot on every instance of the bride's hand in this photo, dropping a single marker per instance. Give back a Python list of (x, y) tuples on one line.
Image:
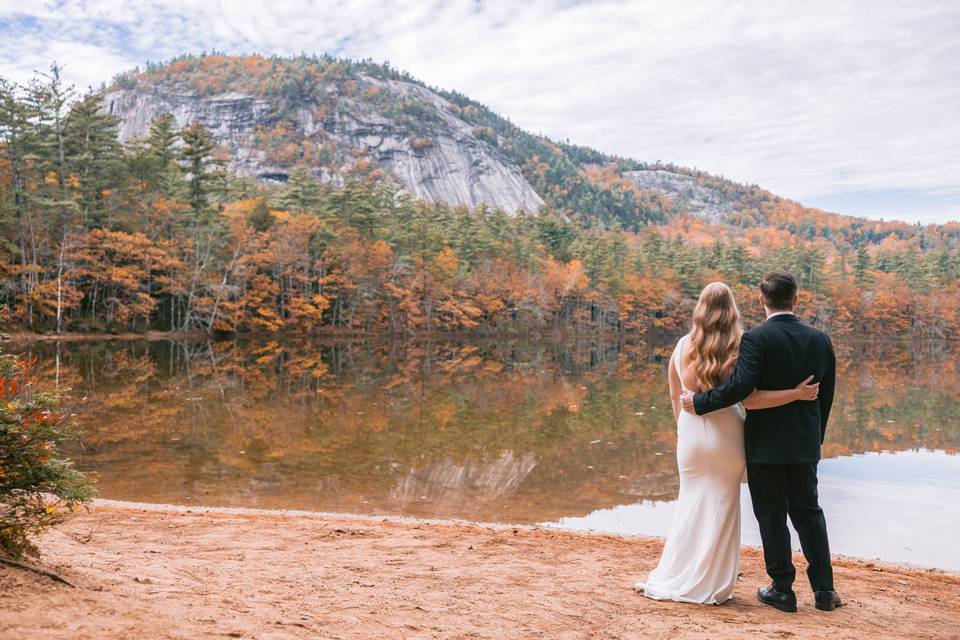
[(807, 390)]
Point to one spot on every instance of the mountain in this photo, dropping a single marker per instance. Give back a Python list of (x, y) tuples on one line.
[(343, 118)]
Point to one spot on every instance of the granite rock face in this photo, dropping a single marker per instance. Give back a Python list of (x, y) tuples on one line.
[(690, 194), (442, 160)]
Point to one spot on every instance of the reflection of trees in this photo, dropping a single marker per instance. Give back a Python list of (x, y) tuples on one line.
[(491, 430)]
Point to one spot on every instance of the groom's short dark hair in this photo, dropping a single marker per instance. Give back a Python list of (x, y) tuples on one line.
[(778, 289)]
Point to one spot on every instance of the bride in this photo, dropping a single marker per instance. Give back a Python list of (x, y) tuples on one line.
[(701, 556)]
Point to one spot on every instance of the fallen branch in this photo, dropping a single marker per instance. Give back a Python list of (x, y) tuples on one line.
[(30, 567)]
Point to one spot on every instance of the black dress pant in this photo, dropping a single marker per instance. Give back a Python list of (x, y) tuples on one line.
[(777, 490)]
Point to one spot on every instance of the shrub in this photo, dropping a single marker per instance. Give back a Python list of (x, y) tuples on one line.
[(37, 487), (419, 144)]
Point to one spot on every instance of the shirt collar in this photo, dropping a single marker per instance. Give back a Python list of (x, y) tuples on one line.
[(780, 313)]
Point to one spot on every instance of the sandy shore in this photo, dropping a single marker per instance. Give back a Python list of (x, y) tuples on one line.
[(162, 572)]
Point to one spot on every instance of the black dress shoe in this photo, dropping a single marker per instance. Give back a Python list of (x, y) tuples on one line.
[(782, 600), (826, 600)]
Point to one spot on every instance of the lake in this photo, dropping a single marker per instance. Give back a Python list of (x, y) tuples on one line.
[(575, 434)]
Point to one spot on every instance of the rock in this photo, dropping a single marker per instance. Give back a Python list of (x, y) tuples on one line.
[(687, 191)]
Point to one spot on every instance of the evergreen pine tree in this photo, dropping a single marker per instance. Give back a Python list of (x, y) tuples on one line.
[(95, 157), (304, 192), (860, 270), (161, 147)]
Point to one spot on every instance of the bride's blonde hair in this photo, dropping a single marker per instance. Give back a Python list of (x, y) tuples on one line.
[(715, 335)]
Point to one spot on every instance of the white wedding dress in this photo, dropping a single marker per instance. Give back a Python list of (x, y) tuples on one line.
[(701, 556)]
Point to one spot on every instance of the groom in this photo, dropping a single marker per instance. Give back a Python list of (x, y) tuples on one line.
[(783, 443)]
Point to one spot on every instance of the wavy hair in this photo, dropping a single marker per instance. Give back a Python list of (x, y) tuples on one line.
[(715, 335)]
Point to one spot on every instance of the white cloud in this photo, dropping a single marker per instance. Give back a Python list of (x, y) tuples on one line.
[(807, 99), (84, 64)]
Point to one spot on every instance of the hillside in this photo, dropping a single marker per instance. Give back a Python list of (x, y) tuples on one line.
[(343, 118), (245, 193)]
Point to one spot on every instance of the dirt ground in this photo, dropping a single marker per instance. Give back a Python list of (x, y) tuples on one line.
[(166, 572)]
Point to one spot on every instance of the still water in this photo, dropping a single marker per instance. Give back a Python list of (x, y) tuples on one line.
[(573, 434)]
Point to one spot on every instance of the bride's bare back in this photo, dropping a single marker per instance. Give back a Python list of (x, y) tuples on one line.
[(686, 372)]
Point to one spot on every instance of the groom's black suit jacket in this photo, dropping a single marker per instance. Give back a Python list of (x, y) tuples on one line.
[(779, 354)]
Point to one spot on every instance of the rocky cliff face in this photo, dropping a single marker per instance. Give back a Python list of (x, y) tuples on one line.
[(432, 153), (692, 196)]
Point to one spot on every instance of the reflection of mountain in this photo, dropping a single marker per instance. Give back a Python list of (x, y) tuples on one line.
[(654, 486), (509, 431), (453, 488)]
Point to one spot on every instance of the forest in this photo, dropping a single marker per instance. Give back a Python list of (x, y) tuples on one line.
[(100, 236)]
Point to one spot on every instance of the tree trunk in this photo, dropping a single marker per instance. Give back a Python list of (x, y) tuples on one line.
[(63, 244)]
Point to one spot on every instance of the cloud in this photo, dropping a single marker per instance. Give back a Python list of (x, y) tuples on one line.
[(807, 99), (83, 63)]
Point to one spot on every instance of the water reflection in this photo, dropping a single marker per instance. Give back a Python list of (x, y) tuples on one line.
[(508, 431), (899, 507)]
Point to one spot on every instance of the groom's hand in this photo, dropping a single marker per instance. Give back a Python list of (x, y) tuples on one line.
[(686, 401)]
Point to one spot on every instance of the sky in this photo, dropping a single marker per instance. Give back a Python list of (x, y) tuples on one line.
[(851, 106)]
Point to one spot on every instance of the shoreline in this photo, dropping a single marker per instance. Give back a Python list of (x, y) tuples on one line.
[(163, 507), (169, 571), (18, 337), (326, 334)]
